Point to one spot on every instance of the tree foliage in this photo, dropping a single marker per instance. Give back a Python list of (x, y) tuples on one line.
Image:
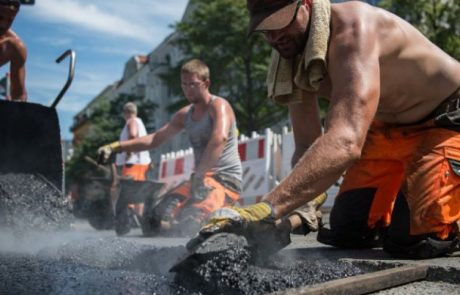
[(436, 19), (216, 32), (105, 123)]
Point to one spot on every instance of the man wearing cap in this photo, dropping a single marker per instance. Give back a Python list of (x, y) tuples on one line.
[(12, 50), (392, 125)]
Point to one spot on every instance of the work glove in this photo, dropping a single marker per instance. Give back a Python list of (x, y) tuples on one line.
[(311, 215), (106, 151), (198, 190), (255, 222)]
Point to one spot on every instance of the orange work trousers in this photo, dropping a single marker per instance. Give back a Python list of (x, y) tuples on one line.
[(420, 161), (219, 196), (137, 172)]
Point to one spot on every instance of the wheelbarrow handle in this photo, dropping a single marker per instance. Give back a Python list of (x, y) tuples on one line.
[(71, 53)]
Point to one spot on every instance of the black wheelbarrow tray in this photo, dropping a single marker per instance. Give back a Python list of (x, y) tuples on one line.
[(30, 135)]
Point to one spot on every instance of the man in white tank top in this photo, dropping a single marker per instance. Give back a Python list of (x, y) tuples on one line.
[(135, 164)]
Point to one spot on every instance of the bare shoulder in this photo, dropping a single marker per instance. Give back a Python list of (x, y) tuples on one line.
[(14, 45), (219, 103), (353, 18), (132, 122), (15, 40), (354, 29)]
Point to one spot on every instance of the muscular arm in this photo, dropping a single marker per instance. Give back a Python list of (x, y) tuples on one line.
[(354, 73), (155, 139), (222, 115), (18, 70), (304, 135)]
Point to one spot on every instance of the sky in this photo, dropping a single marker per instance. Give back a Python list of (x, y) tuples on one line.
[(103, 33)]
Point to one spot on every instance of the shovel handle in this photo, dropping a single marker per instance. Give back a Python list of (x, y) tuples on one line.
[(71, 53)]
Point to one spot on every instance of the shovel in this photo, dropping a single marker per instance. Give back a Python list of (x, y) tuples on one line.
[(31, 141)]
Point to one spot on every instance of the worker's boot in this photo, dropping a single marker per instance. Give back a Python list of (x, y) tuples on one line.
[(424, 249), (310, 215), (350, 239)]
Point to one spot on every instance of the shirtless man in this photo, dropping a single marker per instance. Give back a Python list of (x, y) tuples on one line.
[(393, 125), (12, 50)]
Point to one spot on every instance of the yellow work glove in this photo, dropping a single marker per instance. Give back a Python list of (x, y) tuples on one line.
[(223, 219), (255, 222), (105, 151)]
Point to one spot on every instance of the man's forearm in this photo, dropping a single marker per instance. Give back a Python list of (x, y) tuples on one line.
[(318, 169)]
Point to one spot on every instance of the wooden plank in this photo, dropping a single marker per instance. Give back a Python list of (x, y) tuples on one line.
[(362, 284)]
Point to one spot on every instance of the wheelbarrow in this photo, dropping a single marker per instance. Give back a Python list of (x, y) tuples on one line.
[(123, 191), (31, 140)]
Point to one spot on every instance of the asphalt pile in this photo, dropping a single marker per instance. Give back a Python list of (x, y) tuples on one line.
[(224, 265), (29, 202), (110, 265)]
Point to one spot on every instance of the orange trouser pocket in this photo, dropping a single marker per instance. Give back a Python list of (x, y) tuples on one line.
[(433, 184)]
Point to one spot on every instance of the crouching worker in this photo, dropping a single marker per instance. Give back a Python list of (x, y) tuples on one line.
[(397, 139), (210, 125)]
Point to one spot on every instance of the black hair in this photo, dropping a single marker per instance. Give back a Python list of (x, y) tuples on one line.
[(15, 4)]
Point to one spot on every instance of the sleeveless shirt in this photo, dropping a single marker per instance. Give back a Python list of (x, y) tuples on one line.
[(143, 157), (199, 133)]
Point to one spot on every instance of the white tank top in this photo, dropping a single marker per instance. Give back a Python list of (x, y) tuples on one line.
[(135, 158)]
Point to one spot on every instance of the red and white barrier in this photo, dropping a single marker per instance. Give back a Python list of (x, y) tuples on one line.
[(256, 154), (266, 160), (176, 167)]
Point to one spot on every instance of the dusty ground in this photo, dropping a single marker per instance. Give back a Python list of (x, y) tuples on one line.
[(43, 251), (90, 262), (85, 261)]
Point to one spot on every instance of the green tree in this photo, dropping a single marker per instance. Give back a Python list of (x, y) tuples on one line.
[(436, 19), (106, 123), (216, 32)]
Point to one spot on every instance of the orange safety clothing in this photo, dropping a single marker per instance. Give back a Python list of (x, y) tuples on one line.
[(219, 196), (137, 172), (419, 160)]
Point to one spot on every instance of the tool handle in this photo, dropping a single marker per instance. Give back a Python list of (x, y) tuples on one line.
[(71, 53)]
